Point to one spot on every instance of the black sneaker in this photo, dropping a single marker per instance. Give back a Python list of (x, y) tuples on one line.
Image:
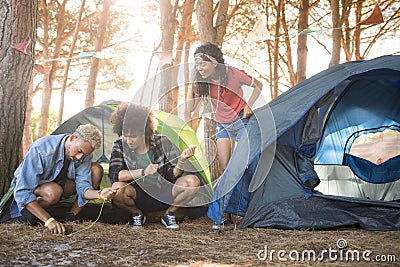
[(27, 217), (138, 220), (169, 221)]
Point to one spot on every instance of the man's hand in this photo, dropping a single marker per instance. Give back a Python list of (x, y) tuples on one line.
[(108, 193), (56, 227)]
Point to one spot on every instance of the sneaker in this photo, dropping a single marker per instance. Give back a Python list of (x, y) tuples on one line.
[(138, 220), (169, 221), (27, 217)]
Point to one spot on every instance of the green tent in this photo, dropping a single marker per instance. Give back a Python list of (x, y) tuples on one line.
[(169, 125), (180, 134)]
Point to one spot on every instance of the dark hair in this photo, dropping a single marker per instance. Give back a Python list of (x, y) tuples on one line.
[(201, 85), (129, 117)]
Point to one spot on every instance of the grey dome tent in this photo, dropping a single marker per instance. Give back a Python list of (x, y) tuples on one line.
[(324, 154)]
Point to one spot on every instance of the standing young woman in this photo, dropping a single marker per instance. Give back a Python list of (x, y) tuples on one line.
[(221, 85)]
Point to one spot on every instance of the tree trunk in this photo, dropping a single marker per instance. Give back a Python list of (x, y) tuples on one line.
[(46, 92), (168, 96), (18, 25), (185, 29), (302, 49), (357, 32), (48, 78), (276, 49), (221, 21), (289, 63), (67, 65), (94, 68), (336, 33), (204, 13), (209, 33), (27, 137)]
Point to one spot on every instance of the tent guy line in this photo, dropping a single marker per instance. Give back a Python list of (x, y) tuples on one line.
[(102, 205)]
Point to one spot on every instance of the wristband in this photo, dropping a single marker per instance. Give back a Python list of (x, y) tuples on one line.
[(49, 221), (99, 194), (181, 161), (143, 174)]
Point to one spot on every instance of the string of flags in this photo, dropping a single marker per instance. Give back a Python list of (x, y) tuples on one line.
[(258, 33), (261, 33)]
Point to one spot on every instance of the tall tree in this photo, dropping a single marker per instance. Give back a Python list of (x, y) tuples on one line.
[(205, 17), (302, 48), (49, 53), (279, 11), (94, 69), (208, 32), (337, 23), (57, 23), (68, 64), (168, 95), (18, 20)]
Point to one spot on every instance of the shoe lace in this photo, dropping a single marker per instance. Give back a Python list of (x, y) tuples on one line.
[(171, 219), (137, 220)]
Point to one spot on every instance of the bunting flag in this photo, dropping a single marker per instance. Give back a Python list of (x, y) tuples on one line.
[(164, 56), (23, 47), (86, 54), (308, 31), (259, 31), (376, 17)]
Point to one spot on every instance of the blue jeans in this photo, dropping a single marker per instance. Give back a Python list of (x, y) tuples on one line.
[(233, 130)]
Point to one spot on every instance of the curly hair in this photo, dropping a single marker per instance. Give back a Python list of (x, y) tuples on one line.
[(129, 117), (91, 134), (201, 85)]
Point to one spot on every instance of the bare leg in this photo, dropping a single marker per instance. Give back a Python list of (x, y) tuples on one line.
[(183, 191), (225, 147), (48, 194), (125, 198)]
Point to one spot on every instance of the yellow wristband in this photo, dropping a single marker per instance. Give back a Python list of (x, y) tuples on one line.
[(99, 194), (49, 221)]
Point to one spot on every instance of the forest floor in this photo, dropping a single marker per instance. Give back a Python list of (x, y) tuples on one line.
[(195, 244)]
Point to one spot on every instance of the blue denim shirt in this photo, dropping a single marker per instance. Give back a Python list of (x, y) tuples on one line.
[(41, 164)]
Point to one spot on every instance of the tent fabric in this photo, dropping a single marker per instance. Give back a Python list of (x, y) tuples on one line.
[(311, 124), (341, 181), (360, 109), (286, 207), (183, 136), (98, 116), (386, 172), (170, 125)]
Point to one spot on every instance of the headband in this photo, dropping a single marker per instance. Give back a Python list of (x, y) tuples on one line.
[(205, 56)]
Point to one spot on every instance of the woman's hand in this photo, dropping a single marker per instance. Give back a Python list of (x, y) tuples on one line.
[(151, 169), (247, 112), (188, 152)]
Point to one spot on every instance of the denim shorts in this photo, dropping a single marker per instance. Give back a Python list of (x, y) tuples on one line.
[(233, 130)]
